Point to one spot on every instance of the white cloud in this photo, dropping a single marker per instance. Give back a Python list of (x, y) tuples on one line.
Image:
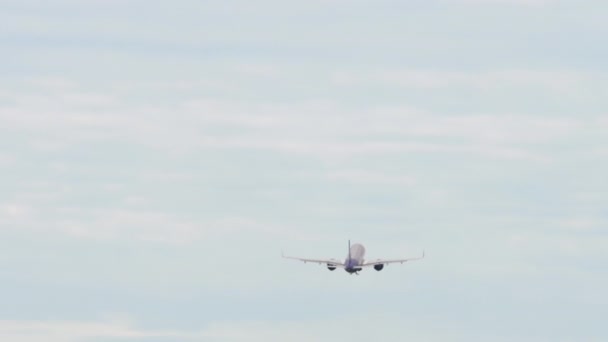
[(51, 83), (599, 152), (130, 225), (6, 159), (367, 177), (534, 3), (354, 327), (77, 331), (564, 240), (120, 224), (583, 224), (323, 129), (13, 210), (557, 81)]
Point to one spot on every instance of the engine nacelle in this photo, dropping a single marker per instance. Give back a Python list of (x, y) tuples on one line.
[(331, 267), (379, 267)]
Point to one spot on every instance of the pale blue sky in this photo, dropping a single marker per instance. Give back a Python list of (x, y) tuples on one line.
[(157, 157)]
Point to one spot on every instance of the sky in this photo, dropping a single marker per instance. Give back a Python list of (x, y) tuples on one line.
[(157, 157)]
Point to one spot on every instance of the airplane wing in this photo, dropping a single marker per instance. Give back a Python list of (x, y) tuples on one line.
[(391, 261), (317, 261)]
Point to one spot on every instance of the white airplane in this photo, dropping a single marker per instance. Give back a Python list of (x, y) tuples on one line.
[(355, 260)]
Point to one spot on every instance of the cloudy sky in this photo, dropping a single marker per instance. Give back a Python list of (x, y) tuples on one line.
[(156, 158)]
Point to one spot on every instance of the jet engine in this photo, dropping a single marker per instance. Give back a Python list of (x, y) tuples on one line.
[(331, 266), (379, 267)]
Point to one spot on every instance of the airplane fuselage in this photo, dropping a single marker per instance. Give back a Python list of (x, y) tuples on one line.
[(354, 259)]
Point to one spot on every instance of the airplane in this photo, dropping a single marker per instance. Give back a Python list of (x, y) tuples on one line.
[(354, 261)]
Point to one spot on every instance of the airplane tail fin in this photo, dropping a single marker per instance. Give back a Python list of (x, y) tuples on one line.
[(348, 249)]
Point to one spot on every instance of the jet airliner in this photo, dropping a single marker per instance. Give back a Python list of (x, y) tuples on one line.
[(355, 261)]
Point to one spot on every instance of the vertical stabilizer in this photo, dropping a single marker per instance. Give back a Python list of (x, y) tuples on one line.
[(348, 250)]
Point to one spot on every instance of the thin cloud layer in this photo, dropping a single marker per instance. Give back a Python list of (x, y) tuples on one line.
[(157, 158)]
